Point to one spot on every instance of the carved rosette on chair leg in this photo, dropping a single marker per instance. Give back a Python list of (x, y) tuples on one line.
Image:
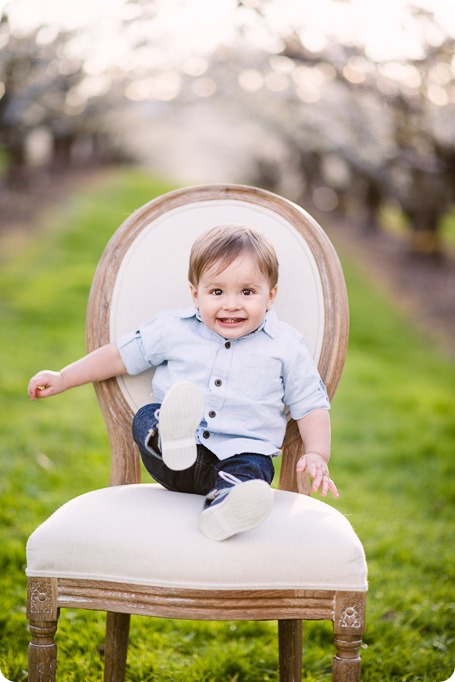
[(348, 626), (43, 614)]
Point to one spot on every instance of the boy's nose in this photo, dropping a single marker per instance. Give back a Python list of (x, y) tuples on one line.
[(232, 303)]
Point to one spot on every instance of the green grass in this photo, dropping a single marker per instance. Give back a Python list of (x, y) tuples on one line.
[(393, 432)]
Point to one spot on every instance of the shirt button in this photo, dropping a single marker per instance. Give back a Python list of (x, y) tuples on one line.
[(206, 434), (212, 414), (218, 382), (227, 344)]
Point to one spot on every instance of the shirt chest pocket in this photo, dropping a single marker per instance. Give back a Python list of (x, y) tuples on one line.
[(260, 378)]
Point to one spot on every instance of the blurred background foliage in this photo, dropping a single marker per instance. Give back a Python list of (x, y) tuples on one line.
[(344, 106)]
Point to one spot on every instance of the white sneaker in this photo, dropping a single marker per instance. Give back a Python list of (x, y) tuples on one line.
[(180, 414), (241, 508)]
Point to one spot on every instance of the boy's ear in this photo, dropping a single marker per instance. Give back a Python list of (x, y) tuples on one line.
[(272, 295), (193, 292)]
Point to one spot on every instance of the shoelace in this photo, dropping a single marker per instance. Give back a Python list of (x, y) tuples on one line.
[(229, 478), (220, 494)]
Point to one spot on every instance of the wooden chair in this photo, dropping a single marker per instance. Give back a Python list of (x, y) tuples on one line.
[(93, 553)]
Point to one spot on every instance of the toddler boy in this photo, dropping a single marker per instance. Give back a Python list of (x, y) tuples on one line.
[(225, 370)]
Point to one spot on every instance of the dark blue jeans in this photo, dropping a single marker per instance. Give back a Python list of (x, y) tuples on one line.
[(202, 477)]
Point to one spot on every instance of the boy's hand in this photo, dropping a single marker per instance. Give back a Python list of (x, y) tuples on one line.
[(45, 384), (317, 468)]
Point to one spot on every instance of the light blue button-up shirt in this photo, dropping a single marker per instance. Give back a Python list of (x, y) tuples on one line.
[(247, 382)]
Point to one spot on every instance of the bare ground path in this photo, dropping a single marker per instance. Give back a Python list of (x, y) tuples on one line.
[(423, 288)]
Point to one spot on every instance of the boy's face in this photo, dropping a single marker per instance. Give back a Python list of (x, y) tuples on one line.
[(233, 302)]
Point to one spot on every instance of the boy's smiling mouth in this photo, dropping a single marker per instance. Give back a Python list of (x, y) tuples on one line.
[(231, 320)]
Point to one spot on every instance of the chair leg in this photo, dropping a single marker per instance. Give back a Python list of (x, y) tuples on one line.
[(290, 650), (346, 663), (42, 613), (42, 651), (348, 628), (116, 646)]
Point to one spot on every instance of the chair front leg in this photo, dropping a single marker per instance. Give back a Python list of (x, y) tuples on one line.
[(346, 663), (42, 651), (42, 613), (290, 650), (348, 626)]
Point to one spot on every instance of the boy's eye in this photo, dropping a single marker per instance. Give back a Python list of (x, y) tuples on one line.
[(247, 292), (216, 292)]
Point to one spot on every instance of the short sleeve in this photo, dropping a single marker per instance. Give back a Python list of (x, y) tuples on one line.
[(144, 347), (304, 390)]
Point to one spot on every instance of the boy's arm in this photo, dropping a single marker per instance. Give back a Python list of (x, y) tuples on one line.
[(315, 433), (103, 363)]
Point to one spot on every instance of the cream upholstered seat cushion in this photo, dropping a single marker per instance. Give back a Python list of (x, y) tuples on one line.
[(146, 535)]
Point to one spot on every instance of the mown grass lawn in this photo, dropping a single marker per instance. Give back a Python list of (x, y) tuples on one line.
[(393, 460)]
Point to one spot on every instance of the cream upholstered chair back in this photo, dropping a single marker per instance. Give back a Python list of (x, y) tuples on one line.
[(144, 270)]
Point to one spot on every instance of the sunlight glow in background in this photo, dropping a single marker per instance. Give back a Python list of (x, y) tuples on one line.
[(386, 27), (159, 42)]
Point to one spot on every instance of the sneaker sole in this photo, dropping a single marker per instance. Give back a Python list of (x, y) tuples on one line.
[(180, 414), (245, 507)]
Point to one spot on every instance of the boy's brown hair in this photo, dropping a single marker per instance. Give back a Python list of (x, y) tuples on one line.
[(221, 245)]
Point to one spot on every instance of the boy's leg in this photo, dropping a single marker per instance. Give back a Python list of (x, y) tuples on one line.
[(145, 429), (145, 434), (242, 497)]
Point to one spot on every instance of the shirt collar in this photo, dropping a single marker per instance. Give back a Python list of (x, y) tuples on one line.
[(271, 323), (186, 313)]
